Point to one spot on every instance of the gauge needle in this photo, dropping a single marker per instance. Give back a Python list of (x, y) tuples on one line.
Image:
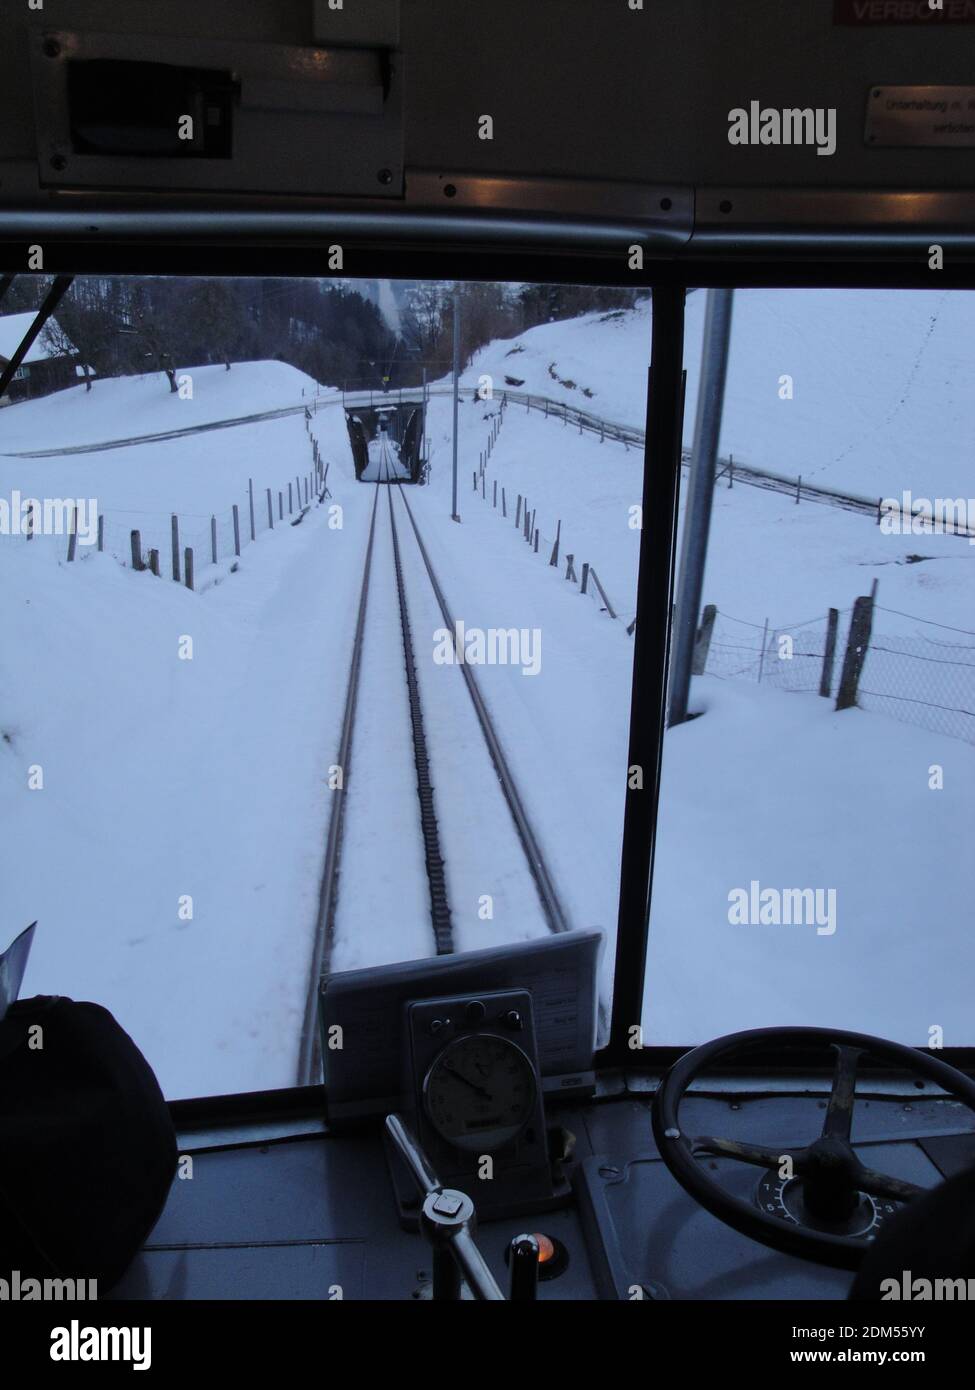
[(467, 1082)]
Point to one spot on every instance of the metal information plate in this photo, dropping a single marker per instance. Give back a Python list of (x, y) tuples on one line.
[(932, 116)]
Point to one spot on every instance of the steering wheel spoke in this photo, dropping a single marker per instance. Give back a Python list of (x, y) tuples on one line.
[(842, 1097), (759, 1154), (882, 1185)]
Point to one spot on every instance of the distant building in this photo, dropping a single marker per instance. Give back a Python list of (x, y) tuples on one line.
[(43, 370)]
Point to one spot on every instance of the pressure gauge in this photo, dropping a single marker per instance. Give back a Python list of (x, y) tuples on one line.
[(480, 1092)]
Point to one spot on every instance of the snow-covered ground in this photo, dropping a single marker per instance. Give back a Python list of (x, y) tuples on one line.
[(140, 405), (165, 777), (880, 380)]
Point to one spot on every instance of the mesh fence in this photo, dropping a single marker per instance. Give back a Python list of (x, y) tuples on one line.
[(926, 678)]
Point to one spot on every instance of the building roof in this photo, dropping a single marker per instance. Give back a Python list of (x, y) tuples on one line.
[(12, 329)]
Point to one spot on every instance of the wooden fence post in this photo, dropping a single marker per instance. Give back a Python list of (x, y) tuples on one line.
[(585, 577), (555, 548), (857, 644), (475, 479), (602, 592), (175, 529), (30, 521), (250, 498), (826, 680), (236, 530), (188, 566), (570, 572), (536, 540), (495, 503), (280, 506), (270, 511), (731, 470), (504, 504), (154, 562), (290, 508), (213, 539), (518, 514), (101, 531), (135, 541), (798, 488), (73, 532)]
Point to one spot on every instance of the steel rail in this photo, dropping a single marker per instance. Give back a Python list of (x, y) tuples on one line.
[(309, 1049), (545, 884)]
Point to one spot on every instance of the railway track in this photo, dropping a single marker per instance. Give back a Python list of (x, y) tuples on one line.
[(440, 922)]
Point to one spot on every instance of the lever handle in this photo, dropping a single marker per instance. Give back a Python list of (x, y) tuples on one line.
[(413, 1156), (523, 1269), (448, 1223)]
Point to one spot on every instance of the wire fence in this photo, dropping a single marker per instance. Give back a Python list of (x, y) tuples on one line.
[(547, 541), (926, 678), (179, 545)]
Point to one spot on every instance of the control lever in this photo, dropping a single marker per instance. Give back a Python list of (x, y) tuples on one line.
[(447, 1219), (523, 1266)]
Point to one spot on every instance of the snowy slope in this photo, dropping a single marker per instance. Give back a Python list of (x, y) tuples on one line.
[(140, 486), (129, 406), (881, 401), (166, 777)]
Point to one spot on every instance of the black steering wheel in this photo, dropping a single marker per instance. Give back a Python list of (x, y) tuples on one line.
[(817, 1201)]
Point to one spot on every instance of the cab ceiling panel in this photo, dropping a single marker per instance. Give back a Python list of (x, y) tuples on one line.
[(158, 112)]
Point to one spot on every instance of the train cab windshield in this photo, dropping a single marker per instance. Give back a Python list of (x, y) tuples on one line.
[(478, 754)]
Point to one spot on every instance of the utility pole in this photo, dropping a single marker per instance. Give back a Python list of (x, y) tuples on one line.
[(453, 515), (423, 425), (697, 516)]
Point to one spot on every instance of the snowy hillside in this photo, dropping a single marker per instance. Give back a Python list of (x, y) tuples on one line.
[(881, 382), (132, 406)]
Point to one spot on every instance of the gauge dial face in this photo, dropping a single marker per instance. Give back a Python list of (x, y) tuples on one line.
[(480, 1092), (782, 1197)]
